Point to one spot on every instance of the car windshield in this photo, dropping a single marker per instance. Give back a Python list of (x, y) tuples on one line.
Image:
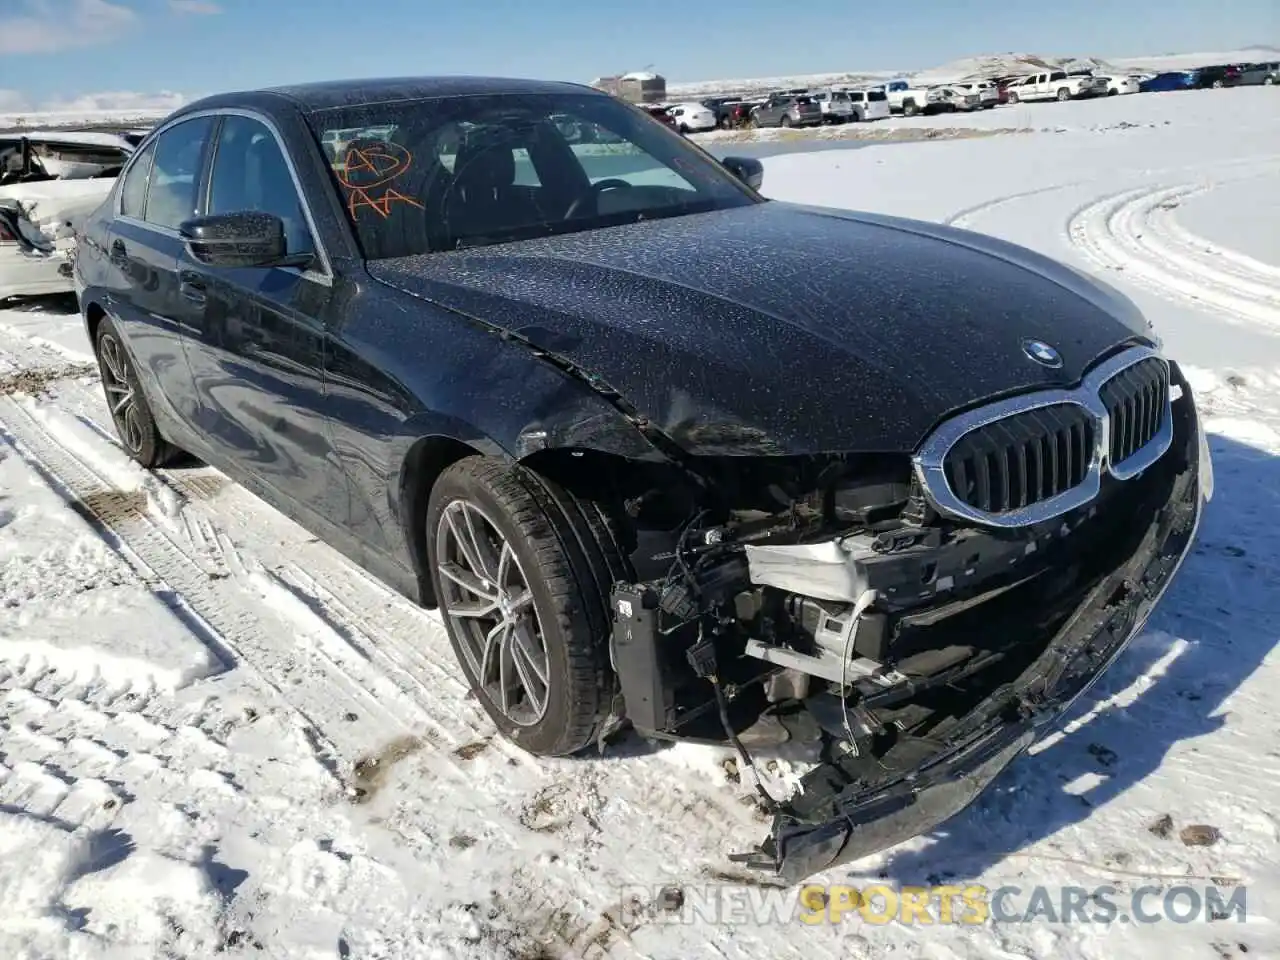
[(426, 176)]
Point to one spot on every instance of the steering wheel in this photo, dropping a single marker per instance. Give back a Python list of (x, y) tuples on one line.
[(592, 195)]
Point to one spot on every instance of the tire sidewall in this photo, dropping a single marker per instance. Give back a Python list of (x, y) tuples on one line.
[(150, 452), (546, 735)]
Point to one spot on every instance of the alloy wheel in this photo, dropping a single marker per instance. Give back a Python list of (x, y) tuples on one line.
[(489, 604), (121, 396)]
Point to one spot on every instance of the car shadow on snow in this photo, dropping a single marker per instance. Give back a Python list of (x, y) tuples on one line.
[(57, 303), (1213, 629)]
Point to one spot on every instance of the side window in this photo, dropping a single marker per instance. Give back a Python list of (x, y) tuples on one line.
[(175, 172), (1058, 75), (250, 173), (133, 192)]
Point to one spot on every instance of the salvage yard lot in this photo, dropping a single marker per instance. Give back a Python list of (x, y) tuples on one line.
[(218, 734)]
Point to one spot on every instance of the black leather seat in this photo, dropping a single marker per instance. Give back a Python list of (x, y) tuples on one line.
[(484, 197)]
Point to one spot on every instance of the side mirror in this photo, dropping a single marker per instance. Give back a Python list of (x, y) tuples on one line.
[(747, 169), (248, 239)]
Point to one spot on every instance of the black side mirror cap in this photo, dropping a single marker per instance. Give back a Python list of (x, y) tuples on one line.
[(245, 239), (747, 169)]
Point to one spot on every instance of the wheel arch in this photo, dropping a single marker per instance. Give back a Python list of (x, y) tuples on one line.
[(94, 313)]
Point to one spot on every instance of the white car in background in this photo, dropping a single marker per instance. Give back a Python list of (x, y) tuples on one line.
[(49, 184), (835, 105), (1119, 85), (987, 92), (692, 117), (868, 105)]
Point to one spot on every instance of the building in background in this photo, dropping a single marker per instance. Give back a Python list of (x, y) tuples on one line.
[(639, 87)]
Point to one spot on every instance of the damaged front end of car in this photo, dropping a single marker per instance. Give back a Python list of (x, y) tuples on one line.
[(920, 618)]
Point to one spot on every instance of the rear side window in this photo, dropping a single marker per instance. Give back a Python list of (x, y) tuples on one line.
[(176, 172), (251, 173), (133, 192), (876, 95), (1057, 75)]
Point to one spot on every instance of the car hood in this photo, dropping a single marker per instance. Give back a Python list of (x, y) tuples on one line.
[(775, 329)]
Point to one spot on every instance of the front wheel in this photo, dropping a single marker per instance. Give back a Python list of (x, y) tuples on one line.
[(1064, 95), (522, 570), (785, 121), (134, 423), (1269, 81), (1013, 98)]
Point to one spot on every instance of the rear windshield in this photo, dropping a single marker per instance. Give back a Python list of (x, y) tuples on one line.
[(424, 176), (876, 95)]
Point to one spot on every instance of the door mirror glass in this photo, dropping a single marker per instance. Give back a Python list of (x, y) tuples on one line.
[(247, 239), (747, 169)]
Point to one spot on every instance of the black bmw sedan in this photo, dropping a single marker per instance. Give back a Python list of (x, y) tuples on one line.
[(664, 454)]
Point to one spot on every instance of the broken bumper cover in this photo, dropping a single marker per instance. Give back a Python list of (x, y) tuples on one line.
[(874, 819)]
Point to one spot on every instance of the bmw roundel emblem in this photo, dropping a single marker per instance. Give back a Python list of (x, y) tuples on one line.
[(1042, 353)]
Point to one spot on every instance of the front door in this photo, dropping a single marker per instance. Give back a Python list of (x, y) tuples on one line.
[(257, 344), (145, 294)]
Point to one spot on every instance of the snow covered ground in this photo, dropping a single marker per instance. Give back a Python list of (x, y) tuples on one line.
[(218, 736)]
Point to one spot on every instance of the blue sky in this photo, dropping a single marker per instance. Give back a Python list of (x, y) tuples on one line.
[(60, 49)]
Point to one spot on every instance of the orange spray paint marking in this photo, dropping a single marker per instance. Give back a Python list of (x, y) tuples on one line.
[(371, 165)]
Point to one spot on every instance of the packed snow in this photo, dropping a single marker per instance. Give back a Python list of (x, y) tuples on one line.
[(218, 736)]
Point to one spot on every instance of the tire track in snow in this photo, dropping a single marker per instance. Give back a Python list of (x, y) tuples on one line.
[(1136, 232), (236, 628)]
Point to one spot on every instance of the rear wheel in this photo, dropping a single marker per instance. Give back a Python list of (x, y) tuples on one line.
[(134, 424), (522, 570), (1218, 84), (1268, 81), (910, 109), (785, 121), (1013, 98)]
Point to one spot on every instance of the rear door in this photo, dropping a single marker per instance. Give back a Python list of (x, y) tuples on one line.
[(144, 292), (257, 340)]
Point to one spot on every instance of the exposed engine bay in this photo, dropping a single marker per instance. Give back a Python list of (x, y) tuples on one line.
[(829, 594)]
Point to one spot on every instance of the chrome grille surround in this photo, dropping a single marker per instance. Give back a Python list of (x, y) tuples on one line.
[(930, 461)]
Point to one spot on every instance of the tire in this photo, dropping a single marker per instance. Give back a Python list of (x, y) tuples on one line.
[(785, 121), (1064, 95), (565, 553), (1013, 99), (910, 109), (684, 129), (1112, 92), (1268, 81), (130, 412), (1218, 84)]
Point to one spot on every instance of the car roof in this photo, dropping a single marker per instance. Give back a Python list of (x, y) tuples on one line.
[(326, 95)]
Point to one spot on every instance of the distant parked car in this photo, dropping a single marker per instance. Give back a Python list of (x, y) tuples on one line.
[(1164, 82), (911, 99), (659, 113), (835, 105), (868, 105), (1056, 85), (731, 113), (987, 92), (1120, 85), (1255, 74), (1216, 77), (787, 111), (692, 117)]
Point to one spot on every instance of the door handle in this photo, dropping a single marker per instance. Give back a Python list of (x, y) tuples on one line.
[(119, 254), (193, 290)]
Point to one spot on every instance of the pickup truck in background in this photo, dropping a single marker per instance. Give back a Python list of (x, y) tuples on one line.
[(910, 100), (1056, 85)]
